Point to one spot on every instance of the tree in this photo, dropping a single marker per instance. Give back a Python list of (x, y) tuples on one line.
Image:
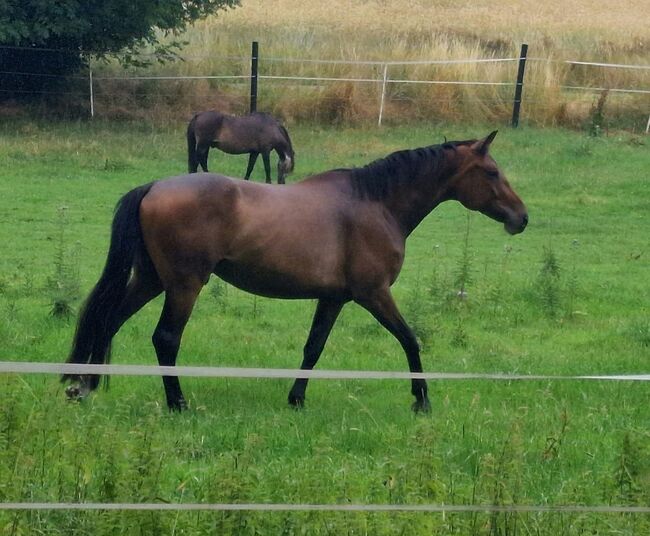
[(57, 38)]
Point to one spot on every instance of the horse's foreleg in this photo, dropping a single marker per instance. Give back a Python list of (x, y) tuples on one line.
[(179, 301), (202, 156), (327, 311), (382, 306), (284, 165), (252, 158), (281, 170), (267, 166)]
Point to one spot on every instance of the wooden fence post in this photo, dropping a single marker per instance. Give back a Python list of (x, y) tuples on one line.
[(519, 86), (254, 58)]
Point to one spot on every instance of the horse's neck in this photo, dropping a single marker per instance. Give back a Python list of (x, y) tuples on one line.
[(415, 199)]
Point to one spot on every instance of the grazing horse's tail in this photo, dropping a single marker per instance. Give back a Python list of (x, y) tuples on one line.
[(99, 317), (192, 160)]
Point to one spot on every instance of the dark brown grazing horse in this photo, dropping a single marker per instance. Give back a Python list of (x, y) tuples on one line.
[(256, 133), (335, 237)]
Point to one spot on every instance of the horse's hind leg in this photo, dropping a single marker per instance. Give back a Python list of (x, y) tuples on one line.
[(267, 165), (382, 306), (141, 289), (179, 301), (252, 158), (327, 311)]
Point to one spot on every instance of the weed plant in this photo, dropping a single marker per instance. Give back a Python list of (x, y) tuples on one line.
[(64, 284)]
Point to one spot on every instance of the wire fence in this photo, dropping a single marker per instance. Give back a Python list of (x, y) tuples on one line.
[(389, 82)]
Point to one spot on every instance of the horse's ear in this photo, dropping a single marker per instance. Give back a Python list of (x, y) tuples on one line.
[(482, 146)]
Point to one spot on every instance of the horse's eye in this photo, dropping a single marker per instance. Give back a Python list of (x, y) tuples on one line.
[(492, 173)]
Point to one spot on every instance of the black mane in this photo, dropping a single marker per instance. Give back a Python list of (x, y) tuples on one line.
[(376, 180)]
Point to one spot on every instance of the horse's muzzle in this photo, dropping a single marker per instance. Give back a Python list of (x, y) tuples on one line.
[(516, 225)]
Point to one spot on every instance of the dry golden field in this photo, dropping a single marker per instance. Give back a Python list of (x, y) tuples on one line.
[(586, 27), (616, 31)]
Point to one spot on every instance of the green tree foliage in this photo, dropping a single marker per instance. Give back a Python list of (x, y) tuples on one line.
[(57, 38)]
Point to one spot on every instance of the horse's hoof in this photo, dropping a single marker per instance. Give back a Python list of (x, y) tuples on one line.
[(177, 405), (421, 406), (76, 392), (297, 402)]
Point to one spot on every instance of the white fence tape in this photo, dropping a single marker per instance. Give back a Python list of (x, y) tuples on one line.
[(239, 372), (290, 507)]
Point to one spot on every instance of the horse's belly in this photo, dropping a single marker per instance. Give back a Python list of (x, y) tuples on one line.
[(279, 282)]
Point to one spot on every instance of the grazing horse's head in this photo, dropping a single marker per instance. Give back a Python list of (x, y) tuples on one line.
[(480, 185)]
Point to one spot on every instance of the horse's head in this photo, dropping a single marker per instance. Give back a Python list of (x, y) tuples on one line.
[(480, 185)]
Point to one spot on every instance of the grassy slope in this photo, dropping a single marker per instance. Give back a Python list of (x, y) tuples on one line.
[(530, 443)]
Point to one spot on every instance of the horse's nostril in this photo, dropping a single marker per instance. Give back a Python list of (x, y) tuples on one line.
[(525, 219)]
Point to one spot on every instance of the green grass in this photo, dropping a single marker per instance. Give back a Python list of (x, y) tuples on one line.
[(568, 296)]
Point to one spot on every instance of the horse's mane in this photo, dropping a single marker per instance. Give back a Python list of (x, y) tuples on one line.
[(377, 179)]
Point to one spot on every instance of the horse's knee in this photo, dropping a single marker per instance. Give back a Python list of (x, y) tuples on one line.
[(166, 343)]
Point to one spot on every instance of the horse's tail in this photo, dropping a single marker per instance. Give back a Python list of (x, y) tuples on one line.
[(192, 160), (98, 319), (289, 161)]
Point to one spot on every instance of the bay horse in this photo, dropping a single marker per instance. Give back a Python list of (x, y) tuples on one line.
[(335, 237), (256, 133)]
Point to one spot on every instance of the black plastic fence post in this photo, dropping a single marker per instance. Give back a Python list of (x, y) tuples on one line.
[(254, 58), (520, 85)]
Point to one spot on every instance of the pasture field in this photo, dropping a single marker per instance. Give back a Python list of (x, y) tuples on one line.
[(569, 296)]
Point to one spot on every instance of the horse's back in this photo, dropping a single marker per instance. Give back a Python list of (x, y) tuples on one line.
[(255, 132), (248, 233)]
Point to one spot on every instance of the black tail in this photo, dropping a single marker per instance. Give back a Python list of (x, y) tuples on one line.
[(288, 151), (192, 161), (99, 316)]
